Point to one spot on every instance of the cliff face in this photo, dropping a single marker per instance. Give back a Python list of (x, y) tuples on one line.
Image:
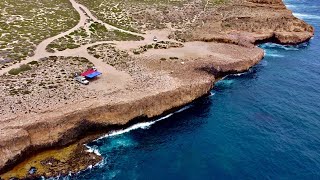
[(240, 25), (61, 130), (21, 136), (245, 22)]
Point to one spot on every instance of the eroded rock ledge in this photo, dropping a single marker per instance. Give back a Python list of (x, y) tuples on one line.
[(63, 126), (21, 136)]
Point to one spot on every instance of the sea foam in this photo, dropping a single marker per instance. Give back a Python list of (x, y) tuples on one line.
[(211, 94), (290, 6), (142, 125), (278, 46), (93, 149), (274, 55), (306, 16), (239, 74)]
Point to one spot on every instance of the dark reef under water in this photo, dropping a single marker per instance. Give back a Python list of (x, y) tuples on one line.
[(263, 124)]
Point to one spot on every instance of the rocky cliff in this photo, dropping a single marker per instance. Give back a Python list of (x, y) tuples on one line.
[(21, 136), (246, 22)]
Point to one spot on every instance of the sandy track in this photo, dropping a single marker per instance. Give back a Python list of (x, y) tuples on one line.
[(78, 7), (112, 79), (84, 13)]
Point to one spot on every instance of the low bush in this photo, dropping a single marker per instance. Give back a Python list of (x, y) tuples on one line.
[(136, 52), (173, 58), (33, 63), (22, 68)]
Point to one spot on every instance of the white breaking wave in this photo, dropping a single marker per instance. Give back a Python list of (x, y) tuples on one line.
[(273, 55), (290, 6), (211, 94), (274, 45), (93, 150), (182, 109), (226, 81), (239, 74), (306, 16), (89, 167), (143, 125)]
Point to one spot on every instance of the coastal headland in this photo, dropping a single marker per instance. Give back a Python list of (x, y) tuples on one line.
[(45, 116)]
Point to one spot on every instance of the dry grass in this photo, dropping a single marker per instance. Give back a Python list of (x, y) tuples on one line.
[(109, 54), (140, 15), (93, 32), (49, 82), (25, 23)]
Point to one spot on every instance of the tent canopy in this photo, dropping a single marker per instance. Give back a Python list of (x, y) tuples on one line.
[(93, 75), (89, 71)]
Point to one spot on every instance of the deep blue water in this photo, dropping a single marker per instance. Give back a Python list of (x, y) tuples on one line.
[(264, 124)]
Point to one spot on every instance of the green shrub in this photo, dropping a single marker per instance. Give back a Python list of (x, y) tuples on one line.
[(84, 60), (26, 92), (25, 67), (14, 71), (33, 63), (22, 68)]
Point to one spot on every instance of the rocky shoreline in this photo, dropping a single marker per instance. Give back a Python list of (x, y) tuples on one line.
[(157, 87), (86, 121), (104, 117), (107, 117)]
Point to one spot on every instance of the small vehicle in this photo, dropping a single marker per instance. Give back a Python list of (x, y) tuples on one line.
[(82, 80), (155, 39)]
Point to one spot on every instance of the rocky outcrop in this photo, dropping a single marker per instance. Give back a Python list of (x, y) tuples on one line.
[(240, 22), (292, 38), (18, 143)]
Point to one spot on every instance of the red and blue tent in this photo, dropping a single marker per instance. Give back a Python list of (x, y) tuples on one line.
[(90, 73)]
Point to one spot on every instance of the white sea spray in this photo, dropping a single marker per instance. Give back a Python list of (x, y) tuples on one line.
[(306, 16)]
